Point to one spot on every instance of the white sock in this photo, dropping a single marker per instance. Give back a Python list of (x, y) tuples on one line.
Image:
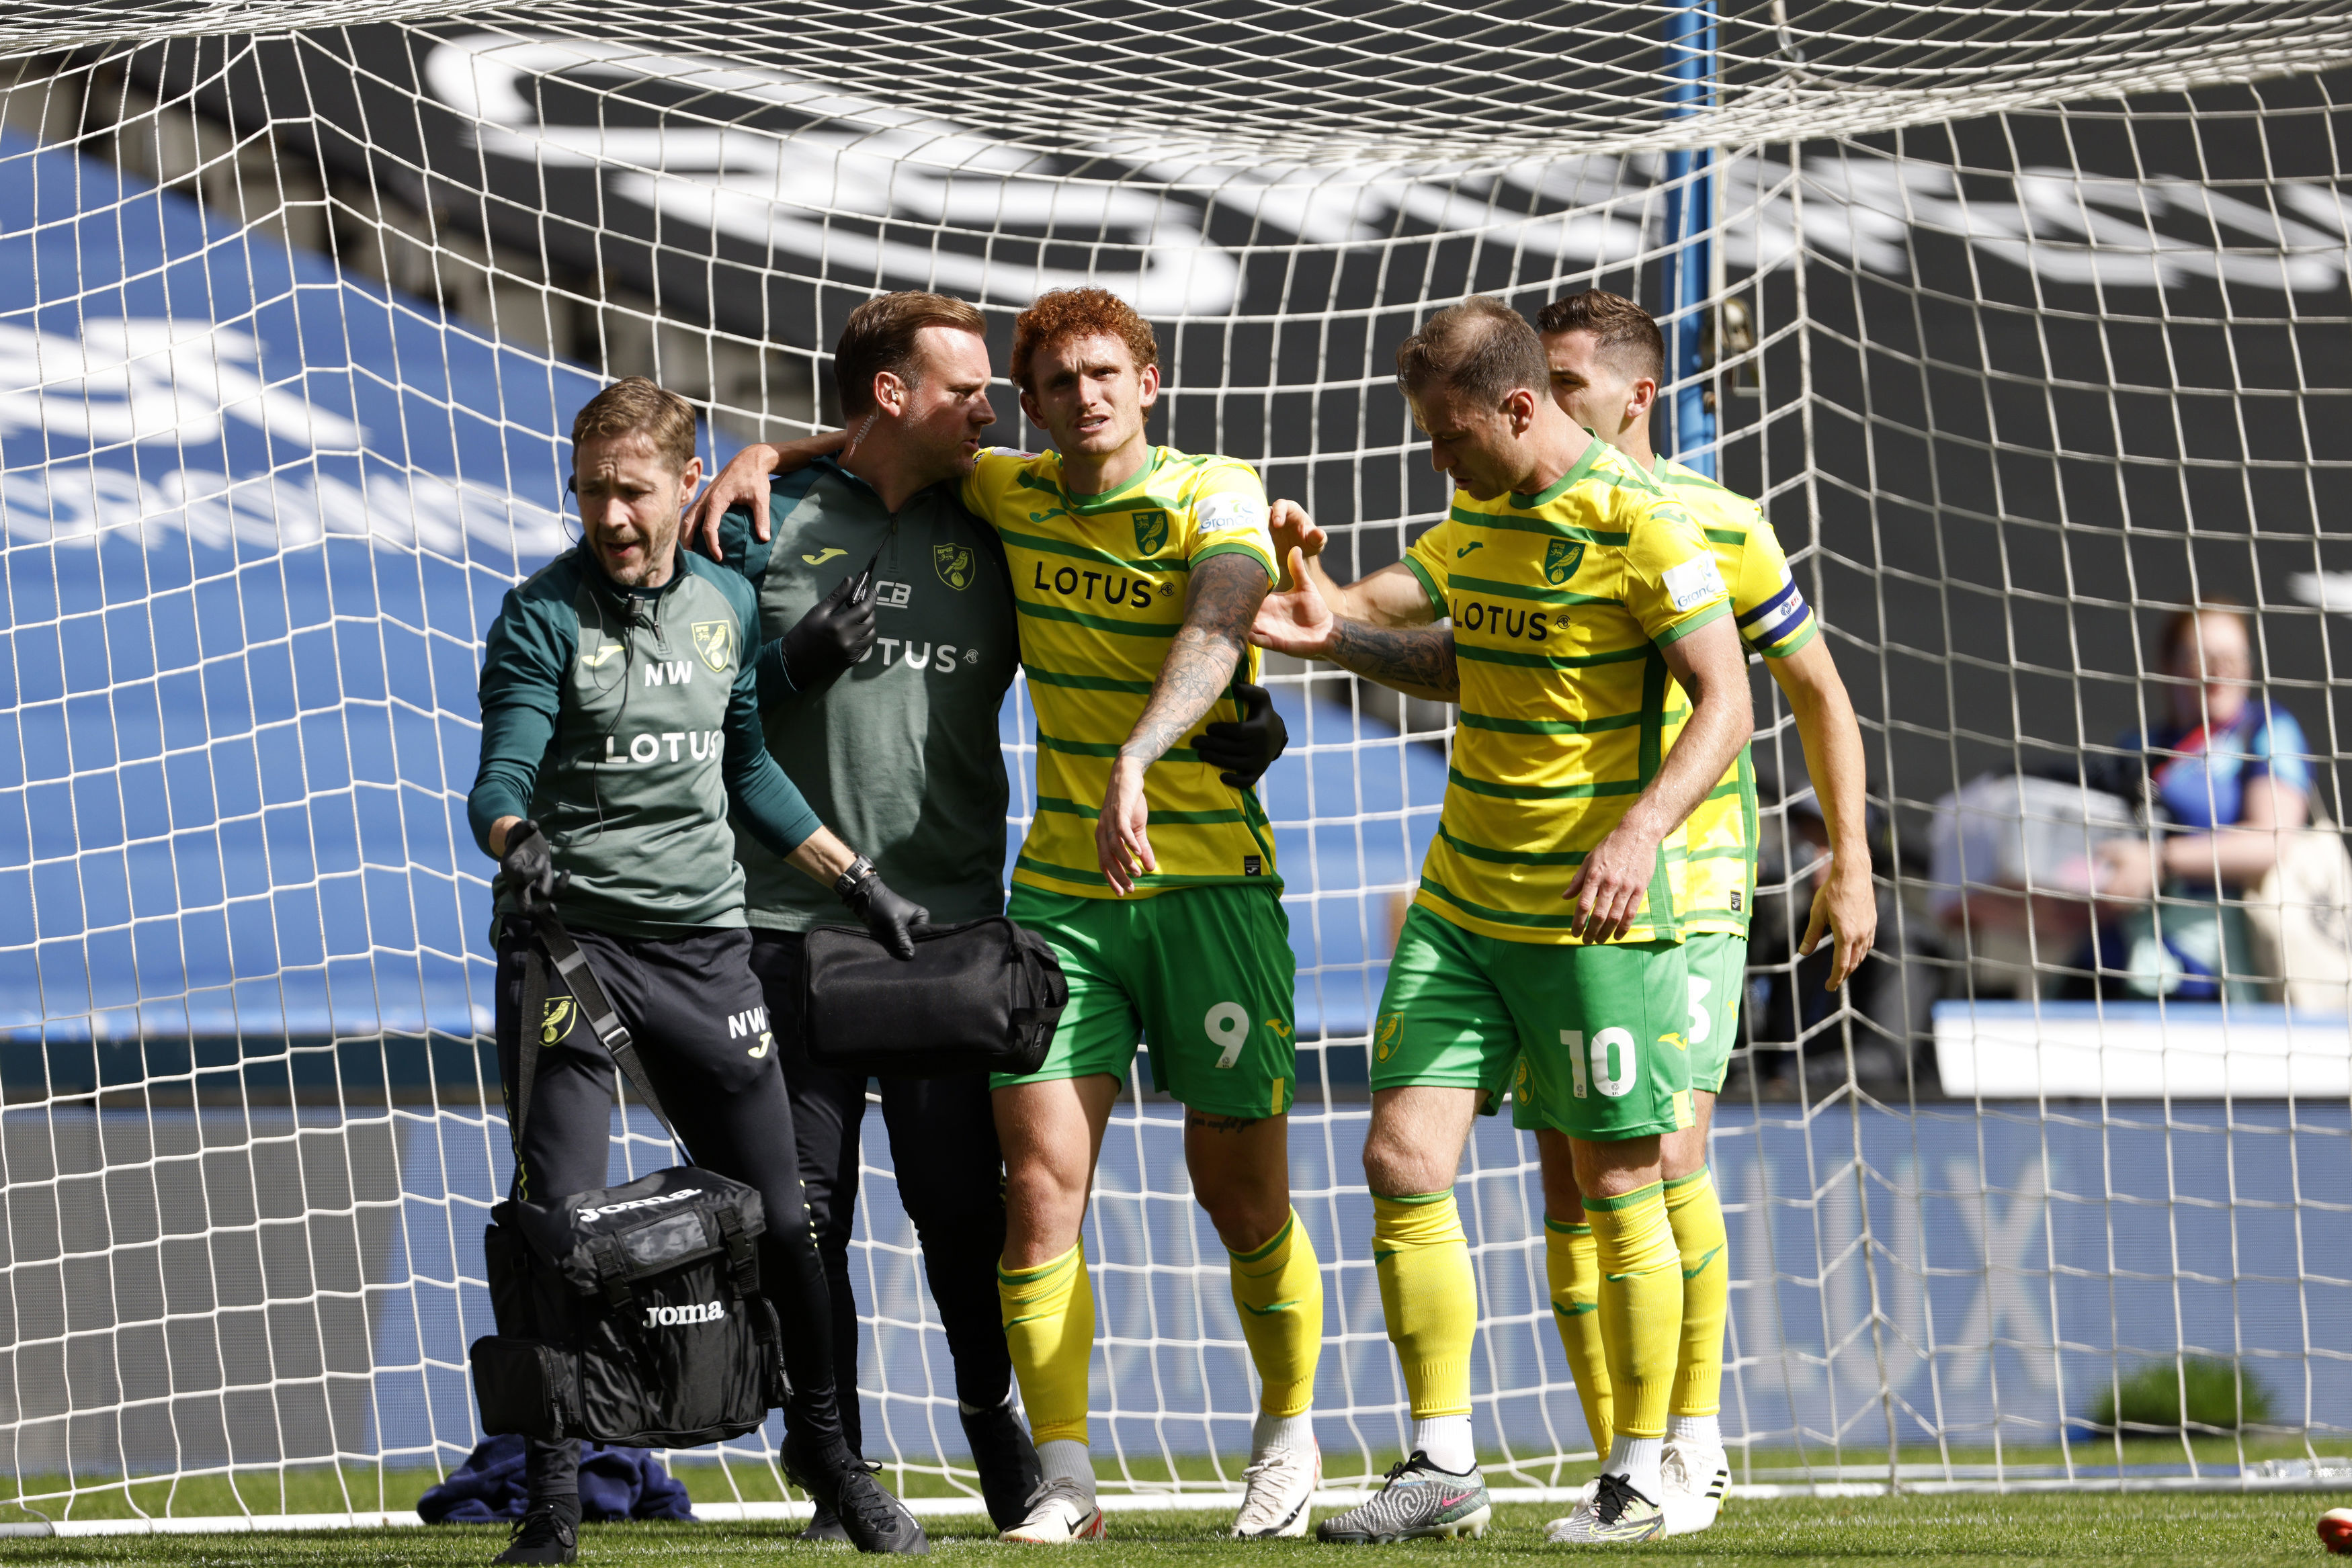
[(1067, 1459), (1446, 1440), (1269, 1432), (1638, 1460), (1699, 1431)]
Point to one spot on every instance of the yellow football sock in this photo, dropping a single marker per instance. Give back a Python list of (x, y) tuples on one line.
[(1049, 1327), (1572, 1260), (1641, 1306), (1428, 1296), (1696, 1215), (1279, 1289)]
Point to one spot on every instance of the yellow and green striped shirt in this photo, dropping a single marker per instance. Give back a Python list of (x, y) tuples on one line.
[(1559, 603), (1099, 583), (1718, 885)]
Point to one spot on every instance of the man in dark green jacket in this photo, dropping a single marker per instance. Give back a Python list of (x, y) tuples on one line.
[(619, 725), (887, 645), (889, 640)]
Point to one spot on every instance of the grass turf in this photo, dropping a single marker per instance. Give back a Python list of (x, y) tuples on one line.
[(2240, 1531), (368, 1489)]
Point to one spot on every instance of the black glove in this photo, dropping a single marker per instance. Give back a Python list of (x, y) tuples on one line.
[(1247, 746), (836, 632), (530, 870), (889, 919)]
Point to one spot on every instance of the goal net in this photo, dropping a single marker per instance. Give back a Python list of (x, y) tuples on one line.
[(2025, 324)]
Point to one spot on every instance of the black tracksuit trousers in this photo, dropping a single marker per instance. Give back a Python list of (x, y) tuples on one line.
[(951, 1178), (700, 1025)]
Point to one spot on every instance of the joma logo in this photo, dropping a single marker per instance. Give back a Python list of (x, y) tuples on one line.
[(692, 1313), (680, 1196)]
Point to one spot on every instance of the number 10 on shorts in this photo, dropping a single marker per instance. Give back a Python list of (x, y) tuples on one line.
[(1612, 1049)]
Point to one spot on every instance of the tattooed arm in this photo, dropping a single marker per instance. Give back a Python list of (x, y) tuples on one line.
[(1224, 596), (1417, 661), (1379, 628)]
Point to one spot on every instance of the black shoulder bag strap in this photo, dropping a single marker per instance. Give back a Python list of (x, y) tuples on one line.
[(552, 944)]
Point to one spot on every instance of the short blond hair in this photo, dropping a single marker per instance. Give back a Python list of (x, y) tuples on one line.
[(635, 406), (1481, 349)]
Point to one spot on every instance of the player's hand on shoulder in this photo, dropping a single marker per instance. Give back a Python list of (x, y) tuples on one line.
[(744, 482), (1245, 747)]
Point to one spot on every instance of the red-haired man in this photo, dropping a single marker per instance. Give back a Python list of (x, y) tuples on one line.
[(1137, 570)]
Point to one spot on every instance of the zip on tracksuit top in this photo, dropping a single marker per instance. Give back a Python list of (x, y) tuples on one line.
[(625, 722)]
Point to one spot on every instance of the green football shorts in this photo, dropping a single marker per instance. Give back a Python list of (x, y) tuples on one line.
[(1718, 980), (1596, 1030), (1203, 974)]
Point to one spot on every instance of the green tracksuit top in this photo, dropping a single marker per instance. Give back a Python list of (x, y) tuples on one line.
[(899, 755), (625, 723)]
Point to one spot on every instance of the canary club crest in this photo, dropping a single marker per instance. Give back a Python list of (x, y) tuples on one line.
[(557, 1019), (953, 563), (1384, 1039), (1561, 558), (715, 641), (1151, 531)]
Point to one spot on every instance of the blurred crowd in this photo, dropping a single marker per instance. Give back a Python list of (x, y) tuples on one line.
[(2192, 861)]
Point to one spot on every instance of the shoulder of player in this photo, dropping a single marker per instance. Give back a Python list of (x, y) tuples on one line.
[(1009, 485), (729, 586), (1180, 479), (550, 595), (538, 624), (1729, 516)]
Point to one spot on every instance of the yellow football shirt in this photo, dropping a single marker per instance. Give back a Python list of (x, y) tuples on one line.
[(1099, 584), (1717, 891), (1559, 602)]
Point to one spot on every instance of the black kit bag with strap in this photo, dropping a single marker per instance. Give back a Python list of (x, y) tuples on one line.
[(630, 1314), (981, 996)]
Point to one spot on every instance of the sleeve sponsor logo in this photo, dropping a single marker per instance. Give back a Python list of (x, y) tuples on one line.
[(1224, 514), (1693, 582)]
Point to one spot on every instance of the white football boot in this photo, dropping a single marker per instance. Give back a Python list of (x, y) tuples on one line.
[(1060, 1511), (1695, 1478), (1281, 1482)]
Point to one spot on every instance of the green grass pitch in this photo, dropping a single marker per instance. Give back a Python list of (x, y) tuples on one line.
[(1965, 1530)]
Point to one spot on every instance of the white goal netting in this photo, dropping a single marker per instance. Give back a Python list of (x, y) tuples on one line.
[(2025, 323)]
